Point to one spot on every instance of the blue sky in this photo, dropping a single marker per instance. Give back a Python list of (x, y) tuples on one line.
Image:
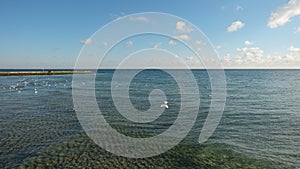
[(246, 33)]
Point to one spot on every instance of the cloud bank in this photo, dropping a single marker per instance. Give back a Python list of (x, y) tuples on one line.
[(284, 14), (254, 57)]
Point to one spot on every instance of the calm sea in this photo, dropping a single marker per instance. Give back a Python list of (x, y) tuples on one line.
[(261, 118)]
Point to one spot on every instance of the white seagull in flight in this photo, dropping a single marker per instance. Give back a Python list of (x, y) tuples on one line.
[(165, 105)]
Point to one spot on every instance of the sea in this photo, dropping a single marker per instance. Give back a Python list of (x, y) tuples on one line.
[(260, 124)]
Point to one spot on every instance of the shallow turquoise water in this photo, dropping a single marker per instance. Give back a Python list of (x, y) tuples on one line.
[(261, 117)]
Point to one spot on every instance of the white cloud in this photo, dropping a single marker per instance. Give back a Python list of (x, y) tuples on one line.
[(129, 44), (247, 42), (183, 27), (284, 14), (139, 18), (298, 29), (235, 26), (239, 8), (255, 51), (182, 37), (86, 41), (294, 49), (172, 42)]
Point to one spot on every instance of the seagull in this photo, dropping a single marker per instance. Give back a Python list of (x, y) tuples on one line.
[(164, 105), (35, 91)]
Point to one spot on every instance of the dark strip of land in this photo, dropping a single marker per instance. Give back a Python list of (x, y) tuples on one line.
[(29, 73)]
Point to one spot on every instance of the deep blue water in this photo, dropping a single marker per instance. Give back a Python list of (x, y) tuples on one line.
[(261, 117)]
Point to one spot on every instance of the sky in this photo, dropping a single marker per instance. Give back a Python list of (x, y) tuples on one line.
[(245, 33)]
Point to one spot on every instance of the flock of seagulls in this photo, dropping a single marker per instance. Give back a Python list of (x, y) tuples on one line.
[(164, 105), (19, 89), (24, 83)]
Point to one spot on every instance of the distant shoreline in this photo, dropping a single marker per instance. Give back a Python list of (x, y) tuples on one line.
[(48, 72), (33, 72)]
